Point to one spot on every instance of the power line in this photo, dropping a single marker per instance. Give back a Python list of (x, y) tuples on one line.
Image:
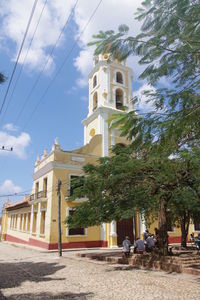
[(62, 65), (22, 66), (16, 194), (45, 64), (18, 56)]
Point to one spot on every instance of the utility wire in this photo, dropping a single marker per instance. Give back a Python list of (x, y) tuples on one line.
[(18, 56), (75, 44), (22, 66), (45, 64)]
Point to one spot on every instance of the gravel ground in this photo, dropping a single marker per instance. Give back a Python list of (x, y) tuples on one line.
[(31, 274)]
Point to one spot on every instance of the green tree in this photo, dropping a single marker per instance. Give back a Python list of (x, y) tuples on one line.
[(169, 46), (125, 183)]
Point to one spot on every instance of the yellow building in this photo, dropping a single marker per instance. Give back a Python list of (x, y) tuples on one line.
[(33, 220)]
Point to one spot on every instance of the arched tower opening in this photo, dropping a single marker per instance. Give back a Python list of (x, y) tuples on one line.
[(119, 98), (119, 77), (94, 81), (95, 101)]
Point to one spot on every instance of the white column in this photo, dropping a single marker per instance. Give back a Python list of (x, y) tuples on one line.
[(113, 230), (23, 222), (142, 224), (85, 142), (38, 219), (134, 232), (108, 83), (113, 226), (31, 221), (26, 225), (104, 135), (103, 231), (112, 137), (18, 222)]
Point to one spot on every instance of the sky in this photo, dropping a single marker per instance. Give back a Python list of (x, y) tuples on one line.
[(48, 96)]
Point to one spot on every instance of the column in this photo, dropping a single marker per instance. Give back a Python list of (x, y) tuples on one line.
[(142, 224), (113, 234), (103, 231), (38, 220), (31, 221)]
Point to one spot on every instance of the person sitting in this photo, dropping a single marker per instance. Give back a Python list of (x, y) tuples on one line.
[(150, 243), (139, 246), (192, 239), (145, 235), (197, 241), (126, 246)]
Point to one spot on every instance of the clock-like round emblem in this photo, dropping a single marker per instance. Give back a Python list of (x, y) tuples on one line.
[(92, 132)]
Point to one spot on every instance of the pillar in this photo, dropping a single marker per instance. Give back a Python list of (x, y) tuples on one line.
[(113, 234)]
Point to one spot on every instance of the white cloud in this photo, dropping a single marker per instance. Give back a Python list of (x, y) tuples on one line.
[(19, 143), (10, 127), (143, 104), (8, 187), (110, 14), (14, 17)]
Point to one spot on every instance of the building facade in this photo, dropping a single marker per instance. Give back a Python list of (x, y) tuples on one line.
[(34, 220)]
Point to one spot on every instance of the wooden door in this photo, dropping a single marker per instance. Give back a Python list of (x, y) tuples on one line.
[(124, 228)]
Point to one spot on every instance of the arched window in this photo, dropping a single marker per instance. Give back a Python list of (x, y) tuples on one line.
[(119, 77), (94, 81), (95, 101), (119, 98)]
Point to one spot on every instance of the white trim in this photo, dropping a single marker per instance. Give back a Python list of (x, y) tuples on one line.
[(142, 224), (103, 232), (108, 83), (112, 137), (78, 158), (73, 174), (99, 110), (67, 228), (104, 135), (113, 229)]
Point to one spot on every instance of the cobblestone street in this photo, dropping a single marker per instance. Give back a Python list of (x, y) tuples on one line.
[(31, 274)]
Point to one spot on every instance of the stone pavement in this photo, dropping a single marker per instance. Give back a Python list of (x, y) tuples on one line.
[(32, 274)]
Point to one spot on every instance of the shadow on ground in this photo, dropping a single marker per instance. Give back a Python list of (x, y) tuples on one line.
[(14, 274), (44, 296)]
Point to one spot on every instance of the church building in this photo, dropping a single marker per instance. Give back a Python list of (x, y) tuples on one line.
[(34, 220)]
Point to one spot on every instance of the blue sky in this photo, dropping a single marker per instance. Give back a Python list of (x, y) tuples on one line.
[(65, 105)]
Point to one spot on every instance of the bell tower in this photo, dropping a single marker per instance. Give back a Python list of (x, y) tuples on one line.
[(110, 89)]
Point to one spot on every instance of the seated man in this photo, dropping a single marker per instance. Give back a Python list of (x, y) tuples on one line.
[(145, 235), (139, 246), (126, 246), (150, 243), (197, 241)]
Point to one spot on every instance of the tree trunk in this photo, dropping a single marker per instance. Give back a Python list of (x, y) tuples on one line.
[(162, 226), (185, 221)]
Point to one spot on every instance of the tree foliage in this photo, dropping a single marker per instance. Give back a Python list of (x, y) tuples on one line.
[(169, 47), (159, 171)]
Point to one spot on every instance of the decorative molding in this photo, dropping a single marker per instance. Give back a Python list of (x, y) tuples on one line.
[(55, 165), (78, 158)]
